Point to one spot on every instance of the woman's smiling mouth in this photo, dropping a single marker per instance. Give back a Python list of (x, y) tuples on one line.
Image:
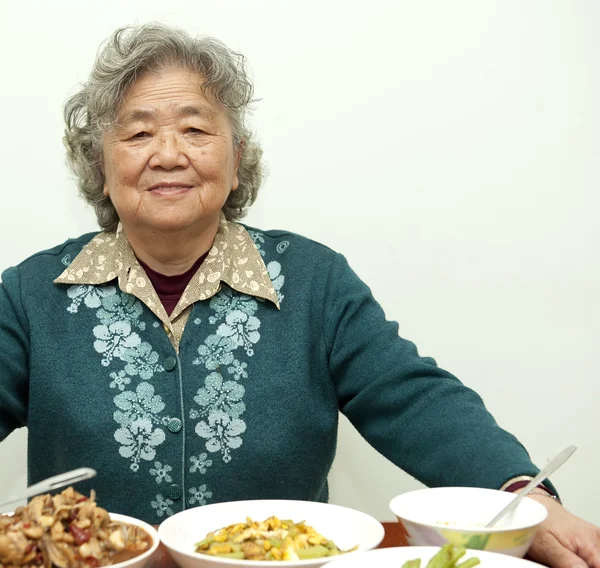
[(169, 188)]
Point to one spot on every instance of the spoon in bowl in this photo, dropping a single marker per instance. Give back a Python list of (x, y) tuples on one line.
[(52, 483), (550, 468)]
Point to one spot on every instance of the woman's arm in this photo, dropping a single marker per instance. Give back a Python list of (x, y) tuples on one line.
[(419, 416), (426, 422), (14, 355)]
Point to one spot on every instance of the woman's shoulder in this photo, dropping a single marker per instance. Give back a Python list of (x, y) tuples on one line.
[(55, 258), (278, 241)]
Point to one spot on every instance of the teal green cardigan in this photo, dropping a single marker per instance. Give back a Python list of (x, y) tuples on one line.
[(248, 408)]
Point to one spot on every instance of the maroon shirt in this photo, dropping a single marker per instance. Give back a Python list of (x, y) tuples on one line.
[(170, 288)]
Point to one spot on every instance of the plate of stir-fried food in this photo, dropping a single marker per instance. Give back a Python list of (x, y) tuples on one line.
[(266, 533), (271, 539), (69, 530)]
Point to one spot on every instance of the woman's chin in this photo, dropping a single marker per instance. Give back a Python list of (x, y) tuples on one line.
[(177, 223)]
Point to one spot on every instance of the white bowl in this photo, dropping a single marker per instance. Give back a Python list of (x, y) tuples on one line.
[(137, 561), (432, 517), (143, 559), (396, 557), (346, 527)]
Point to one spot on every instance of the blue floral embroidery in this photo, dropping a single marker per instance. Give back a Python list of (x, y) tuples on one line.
[(216, 351), (113, 340), (242, 328), (200, 463), (162, 506), (141, 360), (138, 441), (278, 279), (90, 295), (227, 301), (219, 395), (120, 380), (138, 413), (160, 472), (222, 433), (238, 370), (118, 307), (258, 239), (141, 404), (221, 401), (199, 495)]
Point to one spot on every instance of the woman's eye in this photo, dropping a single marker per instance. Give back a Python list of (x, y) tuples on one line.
[(142, 134), (193, 130)]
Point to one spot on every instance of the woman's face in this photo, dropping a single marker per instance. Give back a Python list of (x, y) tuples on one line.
[(170, 161)]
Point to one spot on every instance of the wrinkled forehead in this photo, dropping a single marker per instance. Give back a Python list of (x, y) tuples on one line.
[(133, 113), (174, 91)]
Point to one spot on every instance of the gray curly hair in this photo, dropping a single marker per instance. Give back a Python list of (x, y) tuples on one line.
[(128, 53)]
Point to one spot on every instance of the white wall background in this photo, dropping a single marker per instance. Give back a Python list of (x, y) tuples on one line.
[(449, 149)]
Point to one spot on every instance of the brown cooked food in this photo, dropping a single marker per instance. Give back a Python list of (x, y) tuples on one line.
[(67, 531)]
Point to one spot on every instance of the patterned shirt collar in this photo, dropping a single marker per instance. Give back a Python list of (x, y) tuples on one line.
[(233, 259)]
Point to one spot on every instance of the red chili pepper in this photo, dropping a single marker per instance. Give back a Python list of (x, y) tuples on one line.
[(81, 499), (26, 525), (91, 561), (39, 557), (79, 535)]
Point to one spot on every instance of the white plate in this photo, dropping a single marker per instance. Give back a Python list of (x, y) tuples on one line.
[(396, 557), (346, 527)]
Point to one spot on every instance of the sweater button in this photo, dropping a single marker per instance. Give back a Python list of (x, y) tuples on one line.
[(170, 363), (174, 425), (174, 492)]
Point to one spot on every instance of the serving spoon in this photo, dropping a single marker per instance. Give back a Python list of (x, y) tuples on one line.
[(52, 483), (550, 468)]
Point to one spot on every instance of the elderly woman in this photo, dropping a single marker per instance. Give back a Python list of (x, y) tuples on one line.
[(191, 359)]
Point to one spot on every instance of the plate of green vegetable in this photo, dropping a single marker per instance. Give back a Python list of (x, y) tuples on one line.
[(448, 556)]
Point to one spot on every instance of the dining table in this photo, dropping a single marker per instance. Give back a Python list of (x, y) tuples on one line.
[(392, 537)]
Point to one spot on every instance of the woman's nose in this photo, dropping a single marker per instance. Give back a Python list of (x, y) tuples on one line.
[(169, 153)]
